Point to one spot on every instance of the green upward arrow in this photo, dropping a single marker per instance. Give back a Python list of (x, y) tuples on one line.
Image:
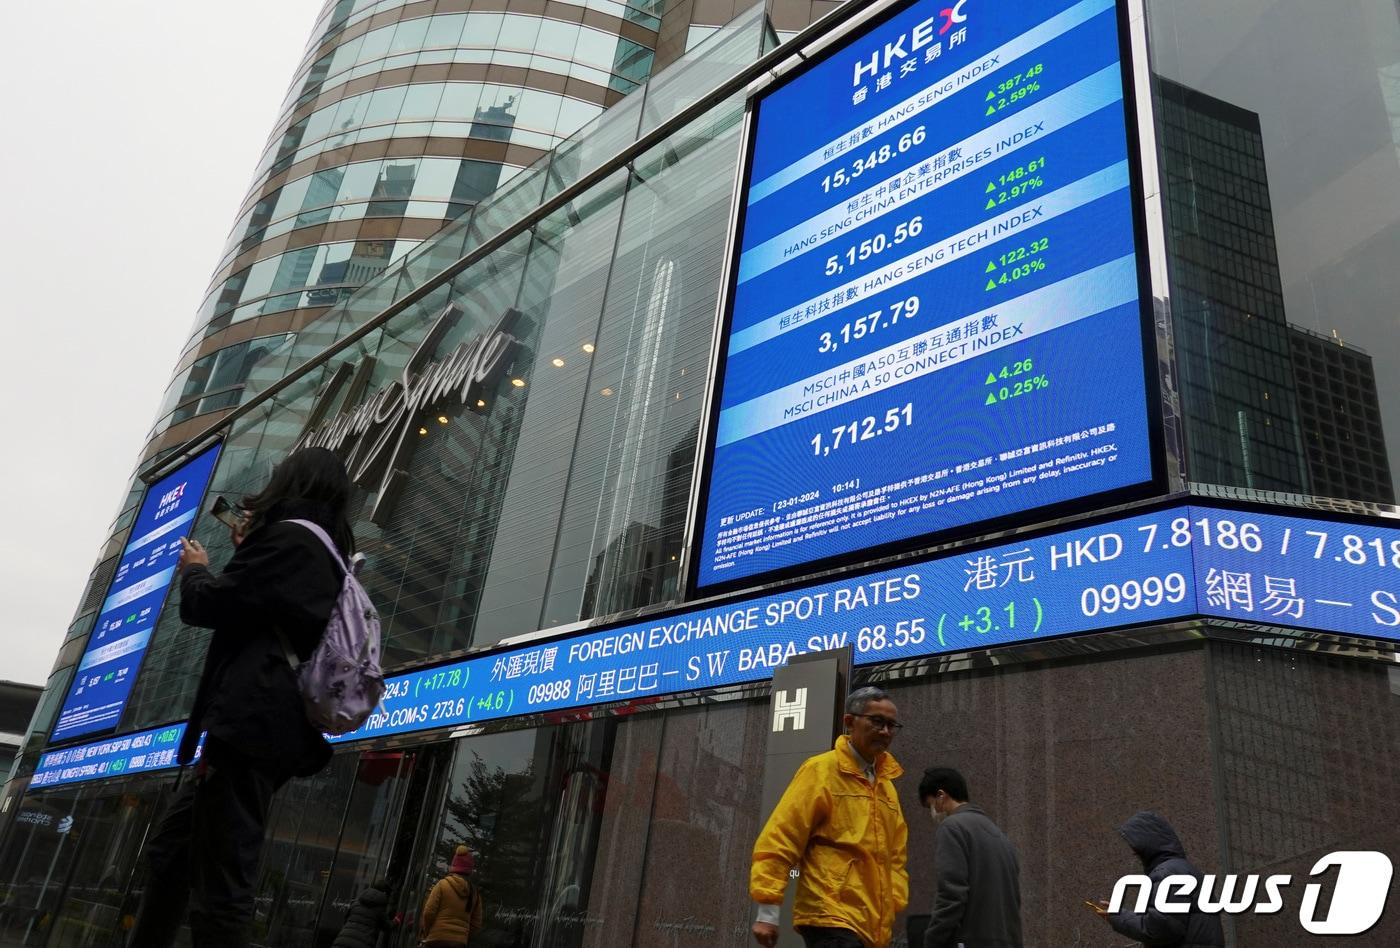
[(990, 95), (990, 188), (991, 379), (991, 285), (991, 204), (991, 398), (991, 110), (991, 265)]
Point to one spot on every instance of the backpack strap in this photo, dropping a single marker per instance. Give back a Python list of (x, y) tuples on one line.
[(287, 650), (326, 541)]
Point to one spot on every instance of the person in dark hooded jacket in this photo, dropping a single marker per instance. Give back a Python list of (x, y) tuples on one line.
[(367, 919), (275, 594), (1160, 850)]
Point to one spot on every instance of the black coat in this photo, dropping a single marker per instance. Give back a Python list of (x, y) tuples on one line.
[(366, 920), (280, 577), (1157, 845)]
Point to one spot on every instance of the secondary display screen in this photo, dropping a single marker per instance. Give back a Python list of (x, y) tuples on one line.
[(935, 314), (133, 601)]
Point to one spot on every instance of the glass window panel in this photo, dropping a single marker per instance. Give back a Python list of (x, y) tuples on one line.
[(537, 110), (345, 56), (482, 30), (376, 44), (349, 115), (34, 863), (290, 199), (445, 30), (435, 178), (557, 39), (596, 48), (565, 279), (459, 100), (409, 34), (422, 100), (318, 125), (1283, 221), (359, 180), (519, 32), (385, 105)]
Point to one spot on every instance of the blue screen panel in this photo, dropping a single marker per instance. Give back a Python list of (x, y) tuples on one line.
[(139, 753), (1306, 573), (1179, 562), (935, 318), (132, 604)]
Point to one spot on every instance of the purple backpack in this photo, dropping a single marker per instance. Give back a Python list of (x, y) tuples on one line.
[(341, 683)]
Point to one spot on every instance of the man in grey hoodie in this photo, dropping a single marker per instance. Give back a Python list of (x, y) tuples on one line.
[(978, 904)]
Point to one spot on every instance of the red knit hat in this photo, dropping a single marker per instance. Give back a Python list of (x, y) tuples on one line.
[(462, 861)]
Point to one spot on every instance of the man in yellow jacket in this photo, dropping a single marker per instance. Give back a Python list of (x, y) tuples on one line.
[(840, 825)]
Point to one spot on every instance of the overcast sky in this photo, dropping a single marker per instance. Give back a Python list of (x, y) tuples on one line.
[(131, 131)]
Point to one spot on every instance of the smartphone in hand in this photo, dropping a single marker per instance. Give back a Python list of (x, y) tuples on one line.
[(226, 513)]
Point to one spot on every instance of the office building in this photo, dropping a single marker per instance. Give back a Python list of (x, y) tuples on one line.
[(570, 701)]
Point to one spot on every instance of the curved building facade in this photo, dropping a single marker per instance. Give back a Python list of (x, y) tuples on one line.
[(401, 117), (566, 695)]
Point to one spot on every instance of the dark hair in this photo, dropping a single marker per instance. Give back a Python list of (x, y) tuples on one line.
[(943, 778), (310, 484)]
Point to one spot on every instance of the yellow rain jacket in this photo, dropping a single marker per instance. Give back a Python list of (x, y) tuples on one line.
[(848, 840)]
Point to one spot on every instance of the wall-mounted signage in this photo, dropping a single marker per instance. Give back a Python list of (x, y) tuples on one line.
[(375, 436), (1165, 565), (132, 604), (1173, 563), (935, 299), (116, 757)]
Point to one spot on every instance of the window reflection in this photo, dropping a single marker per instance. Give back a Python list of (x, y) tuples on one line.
[(1301, 210), (216, 381)]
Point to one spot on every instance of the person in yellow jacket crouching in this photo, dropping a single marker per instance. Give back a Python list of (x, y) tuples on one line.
[(840, 825)]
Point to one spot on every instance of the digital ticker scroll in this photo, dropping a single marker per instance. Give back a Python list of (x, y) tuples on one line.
[(1249, 567), (935, 315), (132, 604)]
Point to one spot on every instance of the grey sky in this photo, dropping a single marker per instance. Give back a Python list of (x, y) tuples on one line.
[(131, 134)]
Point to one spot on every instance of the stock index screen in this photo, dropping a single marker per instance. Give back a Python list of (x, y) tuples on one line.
[(129, 611), (935, 316)]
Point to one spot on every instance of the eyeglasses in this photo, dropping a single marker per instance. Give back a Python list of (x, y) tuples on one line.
[(881, 724)]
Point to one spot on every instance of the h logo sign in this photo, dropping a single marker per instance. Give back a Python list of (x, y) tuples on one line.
[(787, 709)]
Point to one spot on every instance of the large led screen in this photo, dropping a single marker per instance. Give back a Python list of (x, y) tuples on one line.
[(936, 315), (129, 610)]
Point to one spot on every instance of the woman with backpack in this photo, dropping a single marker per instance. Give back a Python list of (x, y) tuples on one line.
[(452, 911), (275, 595)]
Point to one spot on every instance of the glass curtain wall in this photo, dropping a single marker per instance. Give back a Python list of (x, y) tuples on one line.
[(1280, 129)]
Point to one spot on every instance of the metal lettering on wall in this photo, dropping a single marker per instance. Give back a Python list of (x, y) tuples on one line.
[(377, 431), (1164, 565)]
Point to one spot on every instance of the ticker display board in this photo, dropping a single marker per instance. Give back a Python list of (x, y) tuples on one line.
[(132, 604), (1259, 568), (936, 310), (138, 753)]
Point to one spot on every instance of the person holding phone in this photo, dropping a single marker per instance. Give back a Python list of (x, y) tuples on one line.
[(281, 579), (1156, 844)]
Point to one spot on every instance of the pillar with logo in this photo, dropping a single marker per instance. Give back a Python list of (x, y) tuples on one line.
[(809, 697)]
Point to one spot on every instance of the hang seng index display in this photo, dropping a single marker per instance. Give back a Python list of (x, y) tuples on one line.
[(935, 317)]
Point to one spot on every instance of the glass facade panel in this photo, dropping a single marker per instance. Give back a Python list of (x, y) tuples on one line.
[(1279, 149), (35, 861)]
